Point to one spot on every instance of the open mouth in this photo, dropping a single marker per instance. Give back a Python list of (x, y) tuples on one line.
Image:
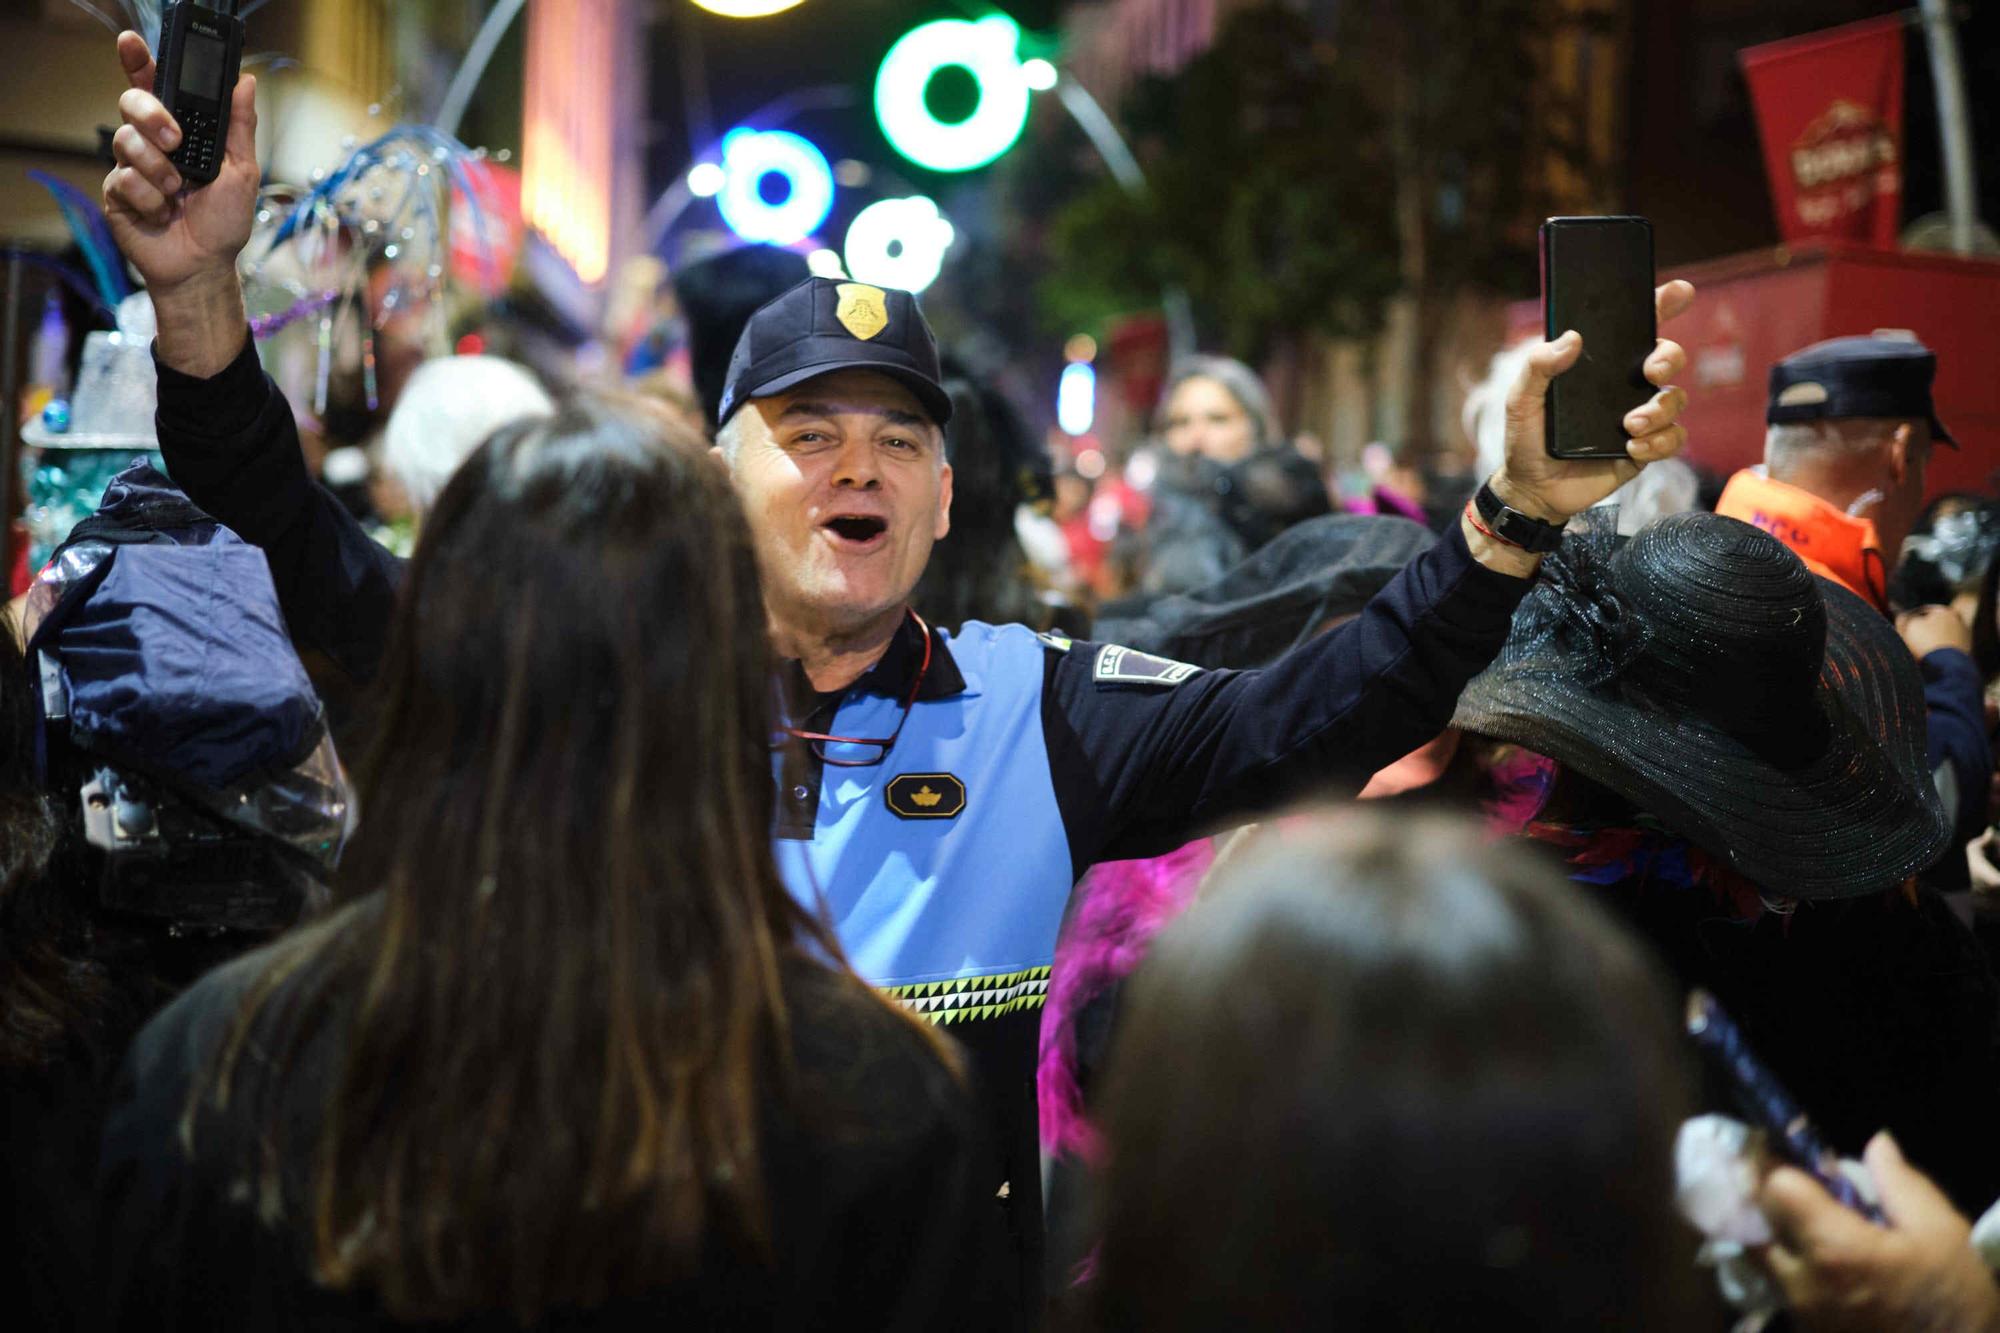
[(857, 529)]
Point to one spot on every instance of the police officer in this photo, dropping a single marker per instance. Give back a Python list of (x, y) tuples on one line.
[(940, 791)]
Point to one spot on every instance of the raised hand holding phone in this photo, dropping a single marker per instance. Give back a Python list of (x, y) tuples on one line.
[(1554, 489), (1597, 278), (1838, 1272)]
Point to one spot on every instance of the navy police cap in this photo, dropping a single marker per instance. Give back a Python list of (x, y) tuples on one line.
[(1875, 376), (823, 325)]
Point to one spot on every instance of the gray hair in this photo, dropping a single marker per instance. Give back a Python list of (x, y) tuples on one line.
[(1485, 412), (1241, 382), (1661, 490), (1790, 445), (446, 410), (729, 436)]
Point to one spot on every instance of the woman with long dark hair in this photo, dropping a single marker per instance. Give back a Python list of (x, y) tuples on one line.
[(67, 1006), (568, 1052)]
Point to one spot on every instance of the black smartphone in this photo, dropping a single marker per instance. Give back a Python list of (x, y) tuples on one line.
[(1597, 278), (194, 76)]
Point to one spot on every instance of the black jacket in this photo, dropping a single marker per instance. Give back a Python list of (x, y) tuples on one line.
[(878, 1215)]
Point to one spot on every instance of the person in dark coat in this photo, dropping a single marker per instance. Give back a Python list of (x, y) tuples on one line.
[(1729, 752)]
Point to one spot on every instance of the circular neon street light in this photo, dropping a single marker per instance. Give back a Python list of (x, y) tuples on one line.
[(747, 9), (748, 157), (1038, 74), (898, 243), (988, 50)]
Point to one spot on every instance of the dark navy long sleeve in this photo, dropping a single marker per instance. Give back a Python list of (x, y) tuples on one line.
[(230, 442), (1954, 696), (1139, 768)]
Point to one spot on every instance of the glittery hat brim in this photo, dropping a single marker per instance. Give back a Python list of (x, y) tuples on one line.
[(41, 437), (1861, 817)]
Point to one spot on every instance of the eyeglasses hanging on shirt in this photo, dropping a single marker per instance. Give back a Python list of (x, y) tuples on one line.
[(866, 751)]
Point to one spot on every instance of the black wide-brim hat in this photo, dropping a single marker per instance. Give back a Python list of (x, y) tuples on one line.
[(1703, 673), (1289, 589)]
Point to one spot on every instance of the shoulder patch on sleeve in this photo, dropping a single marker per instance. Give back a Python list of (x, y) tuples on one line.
[(1057, 640), (1124, 666)]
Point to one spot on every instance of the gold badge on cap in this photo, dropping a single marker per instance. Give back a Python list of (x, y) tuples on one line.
[(925, 795), (863, 310)]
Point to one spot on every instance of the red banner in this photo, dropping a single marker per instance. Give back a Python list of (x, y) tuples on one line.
[(486, 240), (1830, 113)]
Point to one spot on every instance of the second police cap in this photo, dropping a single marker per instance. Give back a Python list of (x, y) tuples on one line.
[(1879, 375), (823, 325)]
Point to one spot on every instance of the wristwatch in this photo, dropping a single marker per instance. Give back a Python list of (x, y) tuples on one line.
[(1514, 527)]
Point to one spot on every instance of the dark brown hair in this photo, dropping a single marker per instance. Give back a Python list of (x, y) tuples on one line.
[(1390, 1076), (567, 1015), (53, 990)]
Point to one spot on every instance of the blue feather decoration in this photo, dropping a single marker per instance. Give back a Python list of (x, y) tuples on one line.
[(93, 237)]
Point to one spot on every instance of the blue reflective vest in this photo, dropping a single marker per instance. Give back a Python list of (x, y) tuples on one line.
[(955, 913)]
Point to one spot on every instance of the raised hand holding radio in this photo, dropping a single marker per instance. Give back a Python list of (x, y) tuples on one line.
[(201, 55), (183, 241)]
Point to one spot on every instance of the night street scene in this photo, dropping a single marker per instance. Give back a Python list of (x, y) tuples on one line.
[(1073, 665)]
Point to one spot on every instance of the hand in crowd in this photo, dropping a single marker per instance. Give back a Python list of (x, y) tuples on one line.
[(1840, 1271), (1929, 628), (1555, 488), (170, 234), (1979, 866)]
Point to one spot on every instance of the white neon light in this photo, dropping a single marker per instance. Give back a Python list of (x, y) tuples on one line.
[(706, 179), (1076, 398), (898, 243)]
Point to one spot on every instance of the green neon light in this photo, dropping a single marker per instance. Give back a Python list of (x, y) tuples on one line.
[(988, 51)]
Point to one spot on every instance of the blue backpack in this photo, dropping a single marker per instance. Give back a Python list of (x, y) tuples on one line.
[(173, 700)]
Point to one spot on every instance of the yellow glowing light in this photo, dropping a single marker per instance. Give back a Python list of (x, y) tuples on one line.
[(568, 116), (747, 9)]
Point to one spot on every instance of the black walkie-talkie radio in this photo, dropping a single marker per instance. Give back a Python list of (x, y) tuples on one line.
[(194, 75)]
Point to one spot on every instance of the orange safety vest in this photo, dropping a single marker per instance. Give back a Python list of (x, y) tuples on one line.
[(1833, 544)]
